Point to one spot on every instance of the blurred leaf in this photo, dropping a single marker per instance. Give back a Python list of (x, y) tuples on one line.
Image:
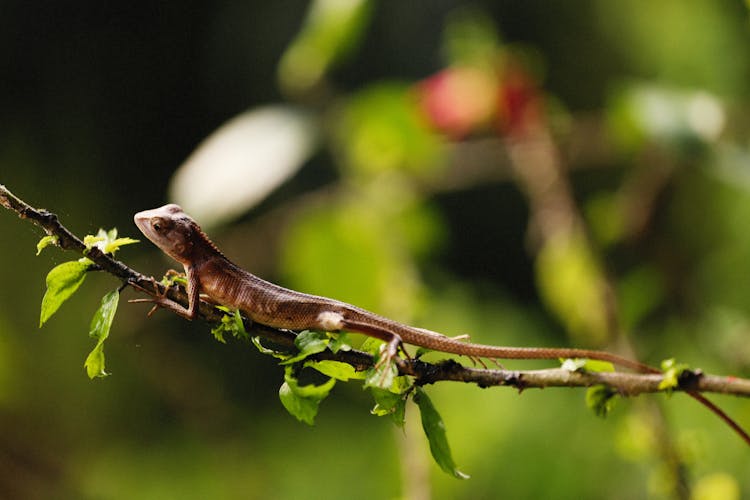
[(302, 402), (600, 399), (389, 403), (382, 129), (606, 218), (330, 32), (571, 284), (349, 252), (45, 242), (716, 486), (308, 342), (242, 162), (62, 282), (688, 46), (99, 331), (434, 429), (683, 119), (471, 37)]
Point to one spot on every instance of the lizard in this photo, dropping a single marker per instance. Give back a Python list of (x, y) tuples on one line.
[(209, 273)]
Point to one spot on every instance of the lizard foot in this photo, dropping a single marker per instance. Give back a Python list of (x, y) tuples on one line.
[(159, 298)]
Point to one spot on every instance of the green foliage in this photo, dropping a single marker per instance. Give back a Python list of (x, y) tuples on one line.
[(600, 399), (336, 369), (302, 402), (231, 323), (99, 331), (434, 429), (62, 282), (64, 279)]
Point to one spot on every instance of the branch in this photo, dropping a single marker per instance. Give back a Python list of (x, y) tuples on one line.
[(626, 384)]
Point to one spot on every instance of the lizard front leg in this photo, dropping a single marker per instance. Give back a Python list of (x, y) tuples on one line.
[(193, 292)]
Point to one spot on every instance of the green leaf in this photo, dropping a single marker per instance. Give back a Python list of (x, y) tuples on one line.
[(100, 326), (389, 403), (672, 371), (308, 342), (336, 369), (434, 429), (45, 242), (600, 399), (62, 282), (302, 402)]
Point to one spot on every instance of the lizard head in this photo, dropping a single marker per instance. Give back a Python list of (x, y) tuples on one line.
[(170, 229)]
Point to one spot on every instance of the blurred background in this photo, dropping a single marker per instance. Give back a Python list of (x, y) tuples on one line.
[(532, 173)]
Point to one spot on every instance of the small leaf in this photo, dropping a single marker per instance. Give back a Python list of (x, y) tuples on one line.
[(90, 240), (308, 342), (336, 369), (672, 371), (45, 242), (239, 331), (573, 365), (100, 326), (107, 241), (434, 429), (232, 324), (219, 330), (589, 365), (62, 282), (600, 399), (339, 342), (94, 363), (266, 350), (302, 402), (389, 403), (114, 245)]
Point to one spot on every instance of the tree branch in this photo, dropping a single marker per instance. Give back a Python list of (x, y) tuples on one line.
[(626, 384)]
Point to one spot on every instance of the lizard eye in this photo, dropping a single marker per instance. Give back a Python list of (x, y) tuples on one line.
[(156, 224)]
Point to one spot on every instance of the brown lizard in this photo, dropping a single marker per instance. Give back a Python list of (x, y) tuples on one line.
[(210, 273)]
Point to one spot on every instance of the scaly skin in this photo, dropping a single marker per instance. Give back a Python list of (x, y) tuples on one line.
[(209, 272)]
